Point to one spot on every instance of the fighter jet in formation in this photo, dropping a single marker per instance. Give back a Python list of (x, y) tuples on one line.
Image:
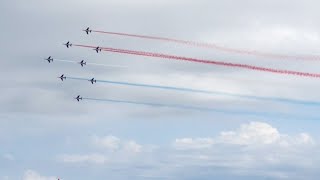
[(88, 30), (62, 77), (93, 81), (97, 49), (78, 98), (82, 63), (68, 44), (49, 59)]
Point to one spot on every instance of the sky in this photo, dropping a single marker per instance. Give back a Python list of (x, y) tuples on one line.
[(46, 134)]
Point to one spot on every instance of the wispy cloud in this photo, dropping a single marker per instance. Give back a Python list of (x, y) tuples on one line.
[(33, 175)]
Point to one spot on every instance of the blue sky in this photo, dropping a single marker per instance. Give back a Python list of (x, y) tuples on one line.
[(45, 133)]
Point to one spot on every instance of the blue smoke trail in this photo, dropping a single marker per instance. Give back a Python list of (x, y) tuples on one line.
[(259, 98), (205, 109)]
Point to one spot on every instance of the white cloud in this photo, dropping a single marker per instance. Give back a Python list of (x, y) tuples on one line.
[(190, 143), (107, 142), (33, 175), (255, 148), (132, 146), (305, 138), (85, 159), (252, 134), (258, 133), (114, 149), (115, 144)]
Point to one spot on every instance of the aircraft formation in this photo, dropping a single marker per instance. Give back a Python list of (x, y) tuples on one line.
[(162, 56), (82, 63)]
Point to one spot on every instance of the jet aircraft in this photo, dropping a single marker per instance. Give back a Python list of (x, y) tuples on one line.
[(78, 98), (82, 63), (88, 30), (49, 59), (68, 44), (97, 49), (62, 77), (93, 81)]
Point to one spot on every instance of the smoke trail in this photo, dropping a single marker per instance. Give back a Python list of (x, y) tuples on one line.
[(93, 64), (217, 93), (63, 60), (218, 63), (97, 64), (206, 109), (214, 46)]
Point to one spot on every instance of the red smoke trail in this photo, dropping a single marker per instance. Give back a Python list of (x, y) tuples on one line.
[(219, 63), (214, 46)]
